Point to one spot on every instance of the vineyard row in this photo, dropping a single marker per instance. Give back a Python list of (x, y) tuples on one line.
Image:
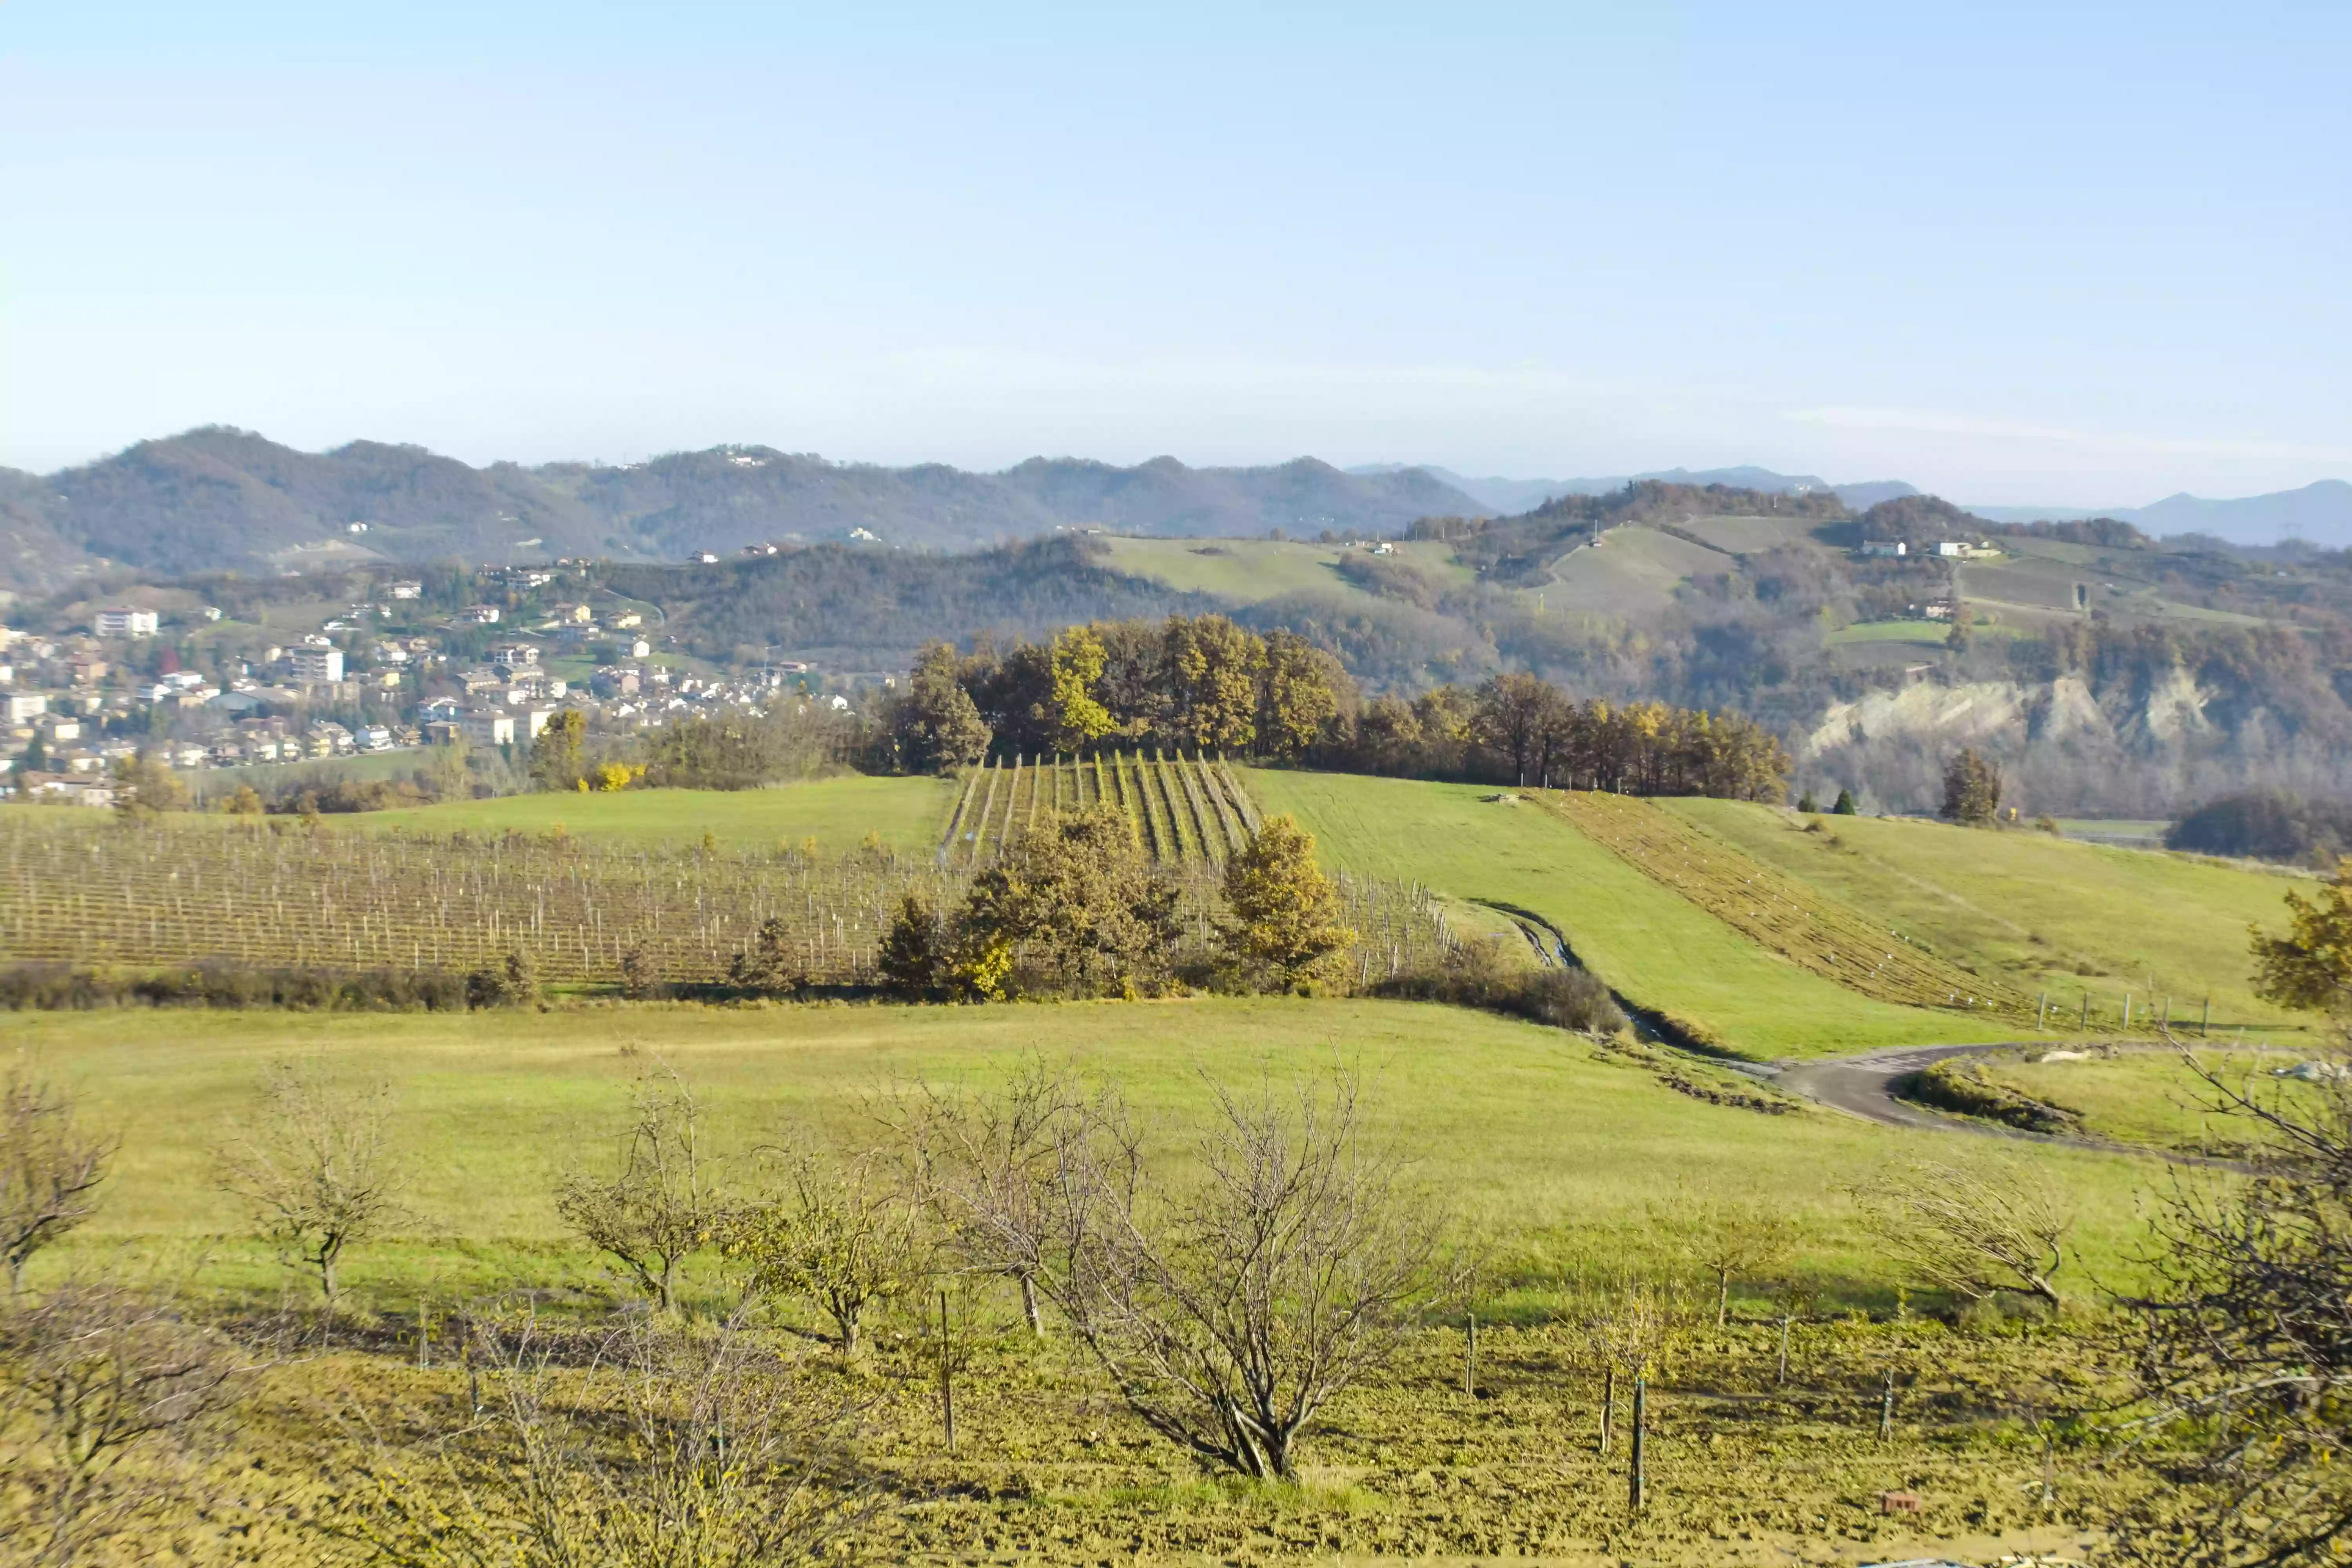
[(1181, 809)]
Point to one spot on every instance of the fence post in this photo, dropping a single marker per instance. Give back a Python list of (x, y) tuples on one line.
[(1886, 1409), (947, 1376), (1639, 1480), (1470, 1361)]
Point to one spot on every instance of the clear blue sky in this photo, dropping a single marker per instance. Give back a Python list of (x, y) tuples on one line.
[(2074, 253)]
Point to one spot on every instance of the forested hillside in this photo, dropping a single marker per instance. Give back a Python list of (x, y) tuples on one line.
[(218, 497)]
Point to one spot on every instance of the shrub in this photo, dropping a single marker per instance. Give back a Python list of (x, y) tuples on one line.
[(1476, 973)]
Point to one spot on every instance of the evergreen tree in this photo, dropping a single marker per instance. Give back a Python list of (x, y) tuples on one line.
[(1971, 789), (1846, 806)]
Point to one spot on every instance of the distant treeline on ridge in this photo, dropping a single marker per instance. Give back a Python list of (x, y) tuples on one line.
[(1203, 683)]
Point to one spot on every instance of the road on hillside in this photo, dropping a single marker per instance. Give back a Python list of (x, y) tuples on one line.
[(1864, 1086)]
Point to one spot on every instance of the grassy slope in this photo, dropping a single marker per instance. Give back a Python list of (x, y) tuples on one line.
[(2149, 1098), (2106, 920), (1524, 1131), (1634, 570), (1648, 942), (1248, 571), (910, 814)]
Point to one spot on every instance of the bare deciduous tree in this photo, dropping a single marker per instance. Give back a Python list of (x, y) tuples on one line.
[(991, 1163), (1977, 1230), (49, 1169), (1730, 1237), (2244, 1359), (1229, 1311), (317, 1168), (841, 1234), (642, 1445), (98, 1371), (660, 1206)]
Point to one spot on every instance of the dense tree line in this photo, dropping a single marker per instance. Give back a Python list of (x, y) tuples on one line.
[(861, 607), (2266, 825), (1198, 683), (1206, 684)]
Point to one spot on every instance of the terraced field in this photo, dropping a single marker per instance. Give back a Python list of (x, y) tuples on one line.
[(1182, 808), (1781, 914), (2088, 924)]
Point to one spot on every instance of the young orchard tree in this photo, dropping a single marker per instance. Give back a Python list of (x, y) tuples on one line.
[(1997, 1227), (100, 1373), (317, 1168), (842, 1236), (990, 1161), (660, 1205), (1730, 1238), (50, 1169), (1286, 911), (644, 1445), (1227, 1313)]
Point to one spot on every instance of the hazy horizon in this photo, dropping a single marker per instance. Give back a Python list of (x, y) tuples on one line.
[(2013, 257)]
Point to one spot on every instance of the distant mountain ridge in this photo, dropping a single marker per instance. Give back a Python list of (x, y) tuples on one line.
[(217, 497), (2318, 514), (221, 498), (1511, 497)]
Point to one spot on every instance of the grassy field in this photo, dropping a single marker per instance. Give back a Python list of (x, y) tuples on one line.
[(1629, 573), (910, 814), (1926, 634), (2148, 1097), (2043, 914), (1526, 1134), (1649, 944), (1250, 571)]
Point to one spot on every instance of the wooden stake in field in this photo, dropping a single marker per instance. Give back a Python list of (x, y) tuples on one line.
[(1470, 1358), (1886, 1409), (1638, 1481), (1608, 1405), (947, 1376)]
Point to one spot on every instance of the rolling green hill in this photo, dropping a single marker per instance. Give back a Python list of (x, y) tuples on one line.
[(1654, 947), (1535, 1139), (2045, 914)]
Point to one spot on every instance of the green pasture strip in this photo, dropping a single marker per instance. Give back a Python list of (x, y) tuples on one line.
[(1180, 815), (963, 809), (2045, 914), (987, 808), (1522, 1131), (910, 814), (1245, 805), (1652, 946), (2151, 1098)]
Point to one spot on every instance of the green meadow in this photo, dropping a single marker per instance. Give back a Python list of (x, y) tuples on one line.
[(1651, 945), (2045, 913), (908, 814), (1558, 1152)]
